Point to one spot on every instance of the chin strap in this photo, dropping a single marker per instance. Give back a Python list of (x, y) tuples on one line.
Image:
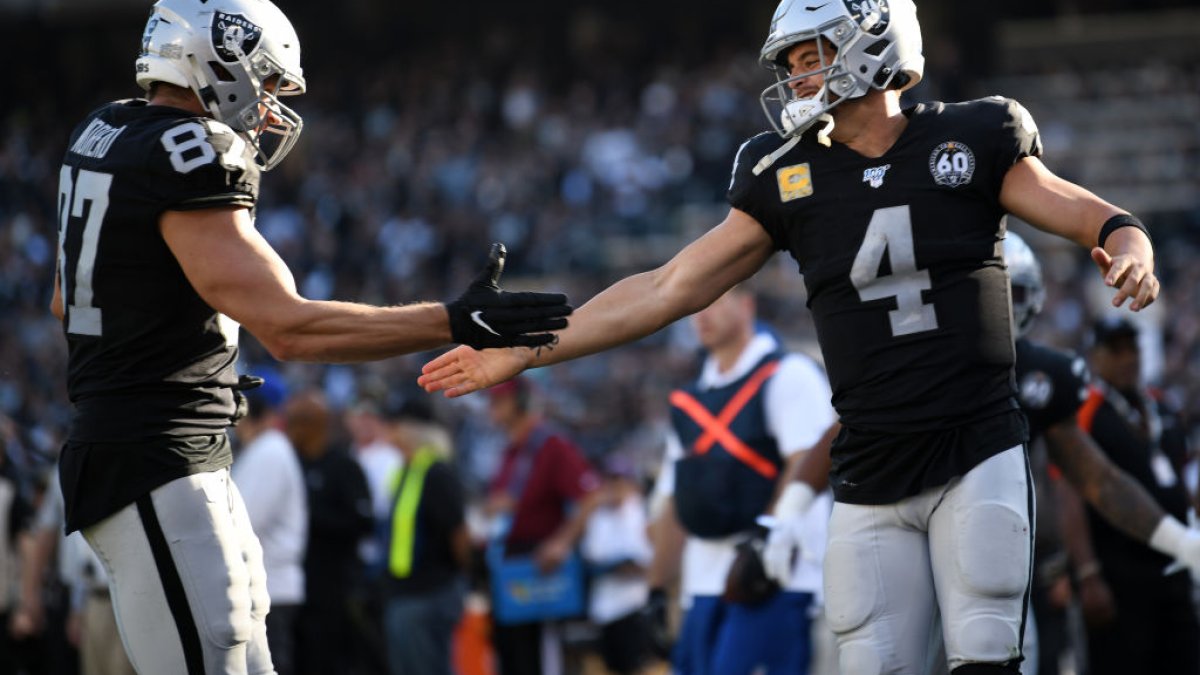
[(823, 133), (766, 162), (822, 138)]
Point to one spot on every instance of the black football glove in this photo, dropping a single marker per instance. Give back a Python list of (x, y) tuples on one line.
[(653, 618), (747, 581), (486, 316), (242, 406)]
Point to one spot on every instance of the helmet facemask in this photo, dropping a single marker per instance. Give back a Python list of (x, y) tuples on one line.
[(265, 121), (790, 115)]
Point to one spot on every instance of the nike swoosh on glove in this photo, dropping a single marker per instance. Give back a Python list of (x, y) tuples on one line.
[(486, 316)]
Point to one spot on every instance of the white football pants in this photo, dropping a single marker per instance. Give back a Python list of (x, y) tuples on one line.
[(187, 580), (964, 548)]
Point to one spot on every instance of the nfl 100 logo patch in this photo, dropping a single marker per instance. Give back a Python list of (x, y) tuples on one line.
[(874, 175), (952, 164), (794, 182)]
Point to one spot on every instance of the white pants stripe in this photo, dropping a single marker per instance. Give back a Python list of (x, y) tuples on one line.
[(187, 580)]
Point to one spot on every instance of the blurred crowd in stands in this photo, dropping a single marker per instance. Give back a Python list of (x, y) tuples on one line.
[(410, 165)]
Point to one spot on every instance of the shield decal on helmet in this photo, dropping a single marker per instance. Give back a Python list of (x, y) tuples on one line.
[(234, 35), (872, 15)]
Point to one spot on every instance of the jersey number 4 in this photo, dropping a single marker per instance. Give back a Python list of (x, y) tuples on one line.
[(87, 195), (890, 230)]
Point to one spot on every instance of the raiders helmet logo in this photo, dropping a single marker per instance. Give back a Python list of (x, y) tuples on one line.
[(872, 15), (952, 164), (148, 34), (233, 35)]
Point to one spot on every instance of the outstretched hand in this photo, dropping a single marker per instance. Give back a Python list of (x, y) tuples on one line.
[(1131, 277), (486, 316), (463, 370)]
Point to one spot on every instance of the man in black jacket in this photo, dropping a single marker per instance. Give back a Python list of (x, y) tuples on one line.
[(339, 507)]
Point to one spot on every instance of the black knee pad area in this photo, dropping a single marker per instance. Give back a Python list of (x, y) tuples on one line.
[(988, 669)]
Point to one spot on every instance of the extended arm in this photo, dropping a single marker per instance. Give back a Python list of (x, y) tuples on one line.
[(632, 308), (238, 274), (1120, 499), (1033, 193), (1113, 493), (643, 303)]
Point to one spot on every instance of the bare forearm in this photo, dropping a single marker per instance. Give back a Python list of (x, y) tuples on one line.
[(1077, 536), (641, 304), (630, 309), (1120, 499), (810, 467), (342, 332), (1033, 193), (668, 537), (1125, 504), (571, 530)]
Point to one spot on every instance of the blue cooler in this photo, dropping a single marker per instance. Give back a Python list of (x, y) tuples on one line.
[(522, 594)]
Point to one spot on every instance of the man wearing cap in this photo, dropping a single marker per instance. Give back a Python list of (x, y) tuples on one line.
[(1139, 620), (539, 490), (428, 547), (267, 473)]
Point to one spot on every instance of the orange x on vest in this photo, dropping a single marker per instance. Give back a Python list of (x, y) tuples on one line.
[(716, 429)]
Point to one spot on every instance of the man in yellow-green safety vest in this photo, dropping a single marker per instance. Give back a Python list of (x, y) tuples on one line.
[(428, 545)]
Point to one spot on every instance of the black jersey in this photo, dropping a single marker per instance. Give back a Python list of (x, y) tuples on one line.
[(902, 264), (150, 364), (148, 357), (1146, 439), (1051, 385)]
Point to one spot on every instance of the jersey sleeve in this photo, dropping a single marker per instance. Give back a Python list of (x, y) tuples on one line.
[(1017, 138), (1070, 390), (1067, 379), (746, 190), (200, 164)]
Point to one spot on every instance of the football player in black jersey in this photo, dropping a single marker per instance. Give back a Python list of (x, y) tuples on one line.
[(158, 263), (1052, 386), (895, 218)]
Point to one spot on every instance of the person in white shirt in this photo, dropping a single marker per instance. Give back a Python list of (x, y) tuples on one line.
[(266, 471), (618, 553), (753, 410), (381, 461)]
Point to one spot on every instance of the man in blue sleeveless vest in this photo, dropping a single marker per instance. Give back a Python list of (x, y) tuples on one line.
[(753, 409)]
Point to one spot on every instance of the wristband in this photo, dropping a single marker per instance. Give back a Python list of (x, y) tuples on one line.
[(1168, 536), (1116, 223), (795, 500)]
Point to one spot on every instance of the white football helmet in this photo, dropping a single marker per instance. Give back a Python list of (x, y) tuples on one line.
[(877, 43), (226, 51), (1025, 274)]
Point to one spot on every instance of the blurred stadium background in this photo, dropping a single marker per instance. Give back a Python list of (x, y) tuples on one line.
[(594, 139)]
